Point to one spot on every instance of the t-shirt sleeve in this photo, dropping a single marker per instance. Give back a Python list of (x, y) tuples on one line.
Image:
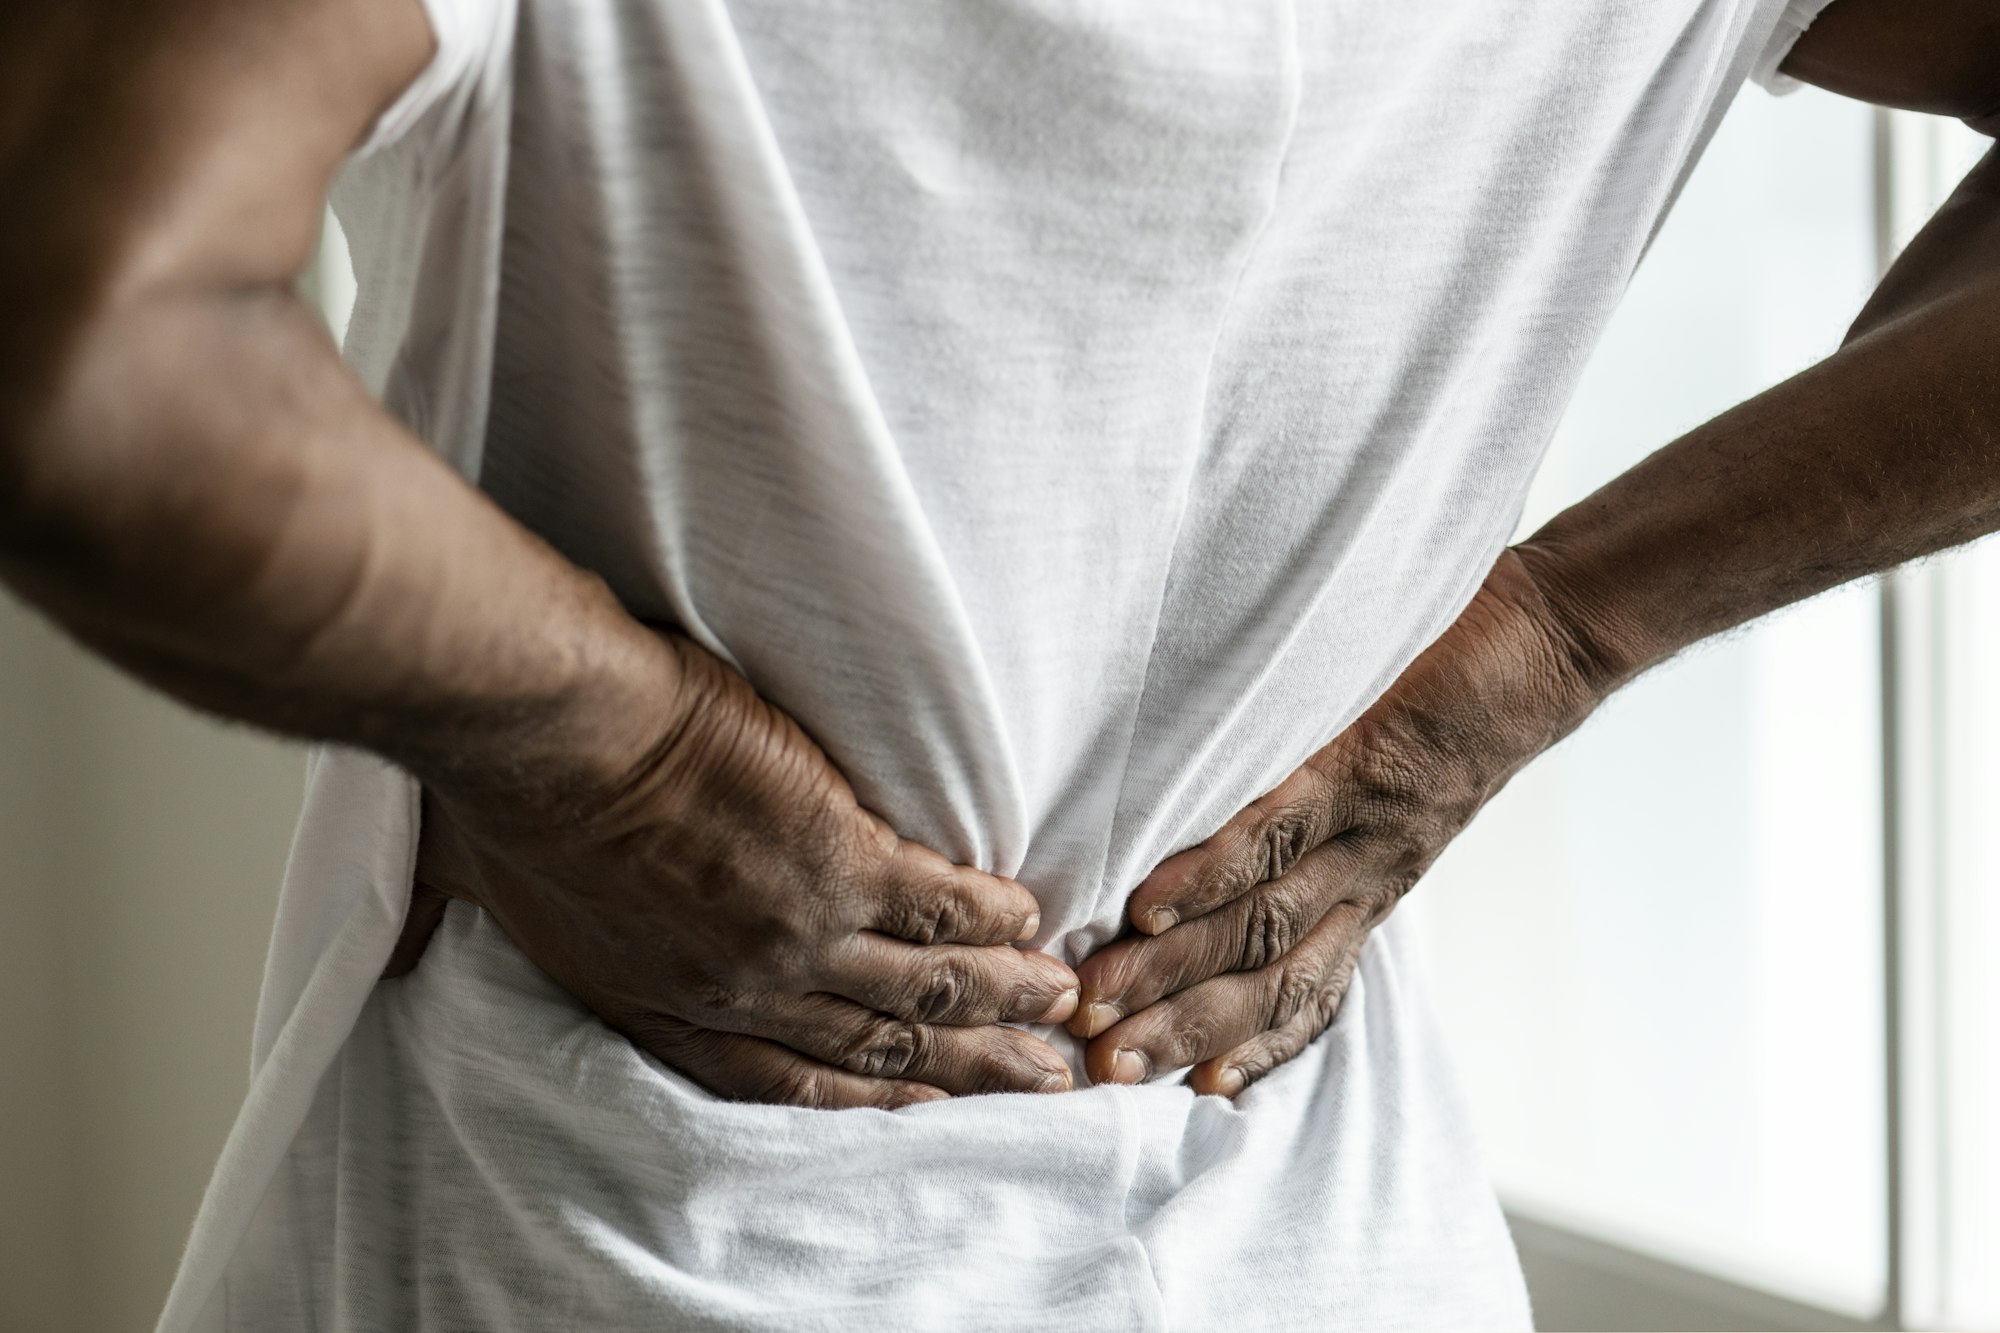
[(421, 202), (1798, 15), (469, 36)]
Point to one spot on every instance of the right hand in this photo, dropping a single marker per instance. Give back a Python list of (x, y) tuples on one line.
[(731, 908)]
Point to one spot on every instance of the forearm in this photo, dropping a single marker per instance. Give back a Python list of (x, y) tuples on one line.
[(190, 480), (207, 496), (1886, 451)]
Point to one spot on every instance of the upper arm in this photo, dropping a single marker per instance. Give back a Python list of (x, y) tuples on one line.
[(165, 154), (1940, 56), (151, 144)]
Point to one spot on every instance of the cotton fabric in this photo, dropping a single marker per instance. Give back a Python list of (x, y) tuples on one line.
[(1073, 413)]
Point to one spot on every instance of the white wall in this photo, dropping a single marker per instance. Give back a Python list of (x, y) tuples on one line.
[(140, 850)]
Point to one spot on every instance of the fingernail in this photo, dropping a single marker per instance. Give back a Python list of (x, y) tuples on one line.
[(1064, 1006), (1129, 1067), (1057, 1081), (1099, 1017), (1028, 931), (1228, 1081), (1162, 918)]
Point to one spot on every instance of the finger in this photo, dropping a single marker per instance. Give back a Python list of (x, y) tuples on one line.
[(1262, 842), (1220, 1013), (922, 897), (751, 1069), (953, 983), (961, 1060), (420, 922), (837, 1031), (1251, 933), (1233, 1071), (1226, 1012)]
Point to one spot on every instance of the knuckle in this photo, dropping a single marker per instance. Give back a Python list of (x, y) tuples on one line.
[(1262, 1059), (949, 918), (939, 994), (931, 912), (907, 921), (1112, 973), (1272, 925), (1226, 879), (1234, 861), (794, 1085), (1296, 991), (1188, 1039), (1324, 1003), (1285, 838), (887, 1048)]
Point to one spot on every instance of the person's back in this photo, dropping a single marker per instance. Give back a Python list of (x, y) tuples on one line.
[(1073, 417), (1078, 440)]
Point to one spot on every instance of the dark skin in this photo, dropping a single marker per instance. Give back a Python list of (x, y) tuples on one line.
[(193, 484)]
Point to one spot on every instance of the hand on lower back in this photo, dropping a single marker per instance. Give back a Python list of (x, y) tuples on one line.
[(731, 909), (1249, 941)]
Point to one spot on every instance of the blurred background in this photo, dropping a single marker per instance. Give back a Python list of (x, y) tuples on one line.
[(1711, 969)]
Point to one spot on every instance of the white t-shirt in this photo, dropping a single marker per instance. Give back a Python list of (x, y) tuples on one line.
[(1074, 413)]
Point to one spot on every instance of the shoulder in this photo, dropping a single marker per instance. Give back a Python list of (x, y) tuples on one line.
[(1938, 56), (145, 129)]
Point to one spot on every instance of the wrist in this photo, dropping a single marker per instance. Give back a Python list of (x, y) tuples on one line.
[(1505, 682), (616, 695), (1599, 644)]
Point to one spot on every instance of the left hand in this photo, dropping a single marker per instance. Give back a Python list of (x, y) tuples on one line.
[(1248, 941)]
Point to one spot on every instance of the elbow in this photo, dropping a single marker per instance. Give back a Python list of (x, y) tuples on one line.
[(45, 377), (129, 419), (48, 300), (1979, 88), (34, 359), (1987, 121), (27, 521), (26, 409), (55, 287)]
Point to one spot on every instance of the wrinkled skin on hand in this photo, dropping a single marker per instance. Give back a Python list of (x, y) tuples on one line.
[(1245, 944), (730, 907)]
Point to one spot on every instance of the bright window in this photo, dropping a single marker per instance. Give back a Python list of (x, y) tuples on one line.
[(1661, 953)]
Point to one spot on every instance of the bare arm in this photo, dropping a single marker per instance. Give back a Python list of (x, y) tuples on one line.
[(1886, 451), (190, 479), (191, 482)]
